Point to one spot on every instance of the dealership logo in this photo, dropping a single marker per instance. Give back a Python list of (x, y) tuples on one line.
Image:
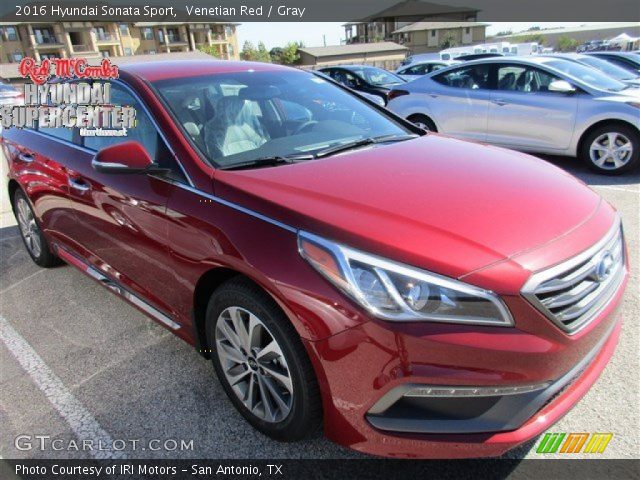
[(574, 443), (605, 266)]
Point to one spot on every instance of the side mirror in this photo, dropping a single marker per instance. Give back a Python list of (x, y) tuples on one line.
[(561, 86), (125, 158)]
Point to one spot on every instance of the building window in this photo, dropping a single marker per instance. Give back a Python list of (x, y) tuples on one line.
[(467, 30), (124, 30), (228, 30), (433, 33), (127, 51), (10, 34), (44, 36), (160, 36), (105, 53), (230, 50), (147, 33), (15, 57), (49, 56)]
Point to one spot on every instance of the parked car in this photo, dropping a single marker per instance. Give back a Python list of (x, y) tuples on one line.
[(420, 57), (417, 295), (416, 70), (363, 78), (593, 46), (605, 66), (539, 104), (627, 60), (478, 56), (378, 100)]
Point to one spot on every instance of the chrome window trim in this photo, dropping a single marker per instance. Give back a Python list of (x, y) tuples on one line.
[(542, 276)]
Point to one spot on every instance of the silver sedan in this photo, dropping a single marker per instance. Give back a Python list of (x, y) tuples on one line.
[(537, 104)]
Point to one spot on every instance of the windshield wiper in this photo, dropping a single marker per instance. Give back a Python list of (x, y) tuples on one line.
[(270, 161), (361, 143)]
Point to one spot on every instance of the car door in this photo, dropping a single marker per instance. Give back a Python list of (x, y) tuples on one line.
[(460, 101), (121, 218), (38, 158), (525, 114)]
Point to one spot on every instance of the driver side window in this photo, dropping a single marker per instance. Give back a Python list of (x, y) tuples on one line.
[(523, 78), (472, 78), (144, 132)]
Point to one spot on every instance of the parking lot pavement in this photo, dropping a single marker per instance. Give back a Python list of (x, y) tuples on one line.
[(77, 361)]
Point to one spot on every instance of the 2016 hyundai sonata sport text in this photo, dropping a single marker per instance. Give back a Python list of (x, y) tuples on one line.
[(415, 295)]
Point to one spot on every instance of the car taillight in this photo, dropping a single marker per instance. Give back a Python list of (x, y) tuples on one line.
[(396, 93)]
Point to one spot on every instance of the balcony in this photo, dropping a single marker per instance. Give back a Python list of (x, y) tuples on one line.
[(44, 41), (175, 40), (106, 38)]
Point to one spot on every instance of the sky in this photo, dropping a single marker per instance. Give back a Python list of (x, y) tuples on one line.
[(314, 34)]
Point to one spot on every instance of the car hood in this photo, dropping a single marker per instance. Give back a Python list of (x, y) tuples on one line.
[(442, 204)]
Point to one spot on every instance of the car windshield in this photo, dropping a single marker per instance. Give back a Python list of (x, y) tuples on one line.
[(242, 117), (588, 75), (607, 67), (377, 76)]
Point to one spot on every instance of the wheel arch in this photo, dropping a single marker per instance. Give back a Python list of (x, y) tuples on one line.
[(12, 186), (206, 285), (599, 124), (427, 116)]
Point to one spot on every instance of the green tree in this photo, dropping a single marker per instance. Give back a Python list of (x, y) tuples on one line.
[(449, 40), (567, 44), (290, 54), (210, 50), (276, 54), (262, 54), (249, 51)]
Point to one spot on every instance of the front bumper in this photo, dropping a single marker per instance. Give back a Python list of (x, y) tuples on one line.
[(365, 366)]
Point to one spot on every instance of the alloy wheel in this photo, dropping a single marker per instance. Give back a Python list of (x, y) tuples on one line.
[(254, 364), (611, 151), (28, 227)]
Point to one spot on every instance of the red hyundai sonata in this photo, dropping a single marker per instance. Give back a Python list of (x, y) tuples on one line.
[(416, 295)]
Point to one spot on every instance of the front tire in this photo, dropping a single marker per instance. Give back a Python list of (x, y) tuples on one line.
[(32, 236), (423, 122), (261, 362), (612, 149)]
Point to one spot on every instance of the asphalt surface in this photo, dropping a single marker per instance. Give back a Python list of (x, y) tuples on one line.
[(76, 361)]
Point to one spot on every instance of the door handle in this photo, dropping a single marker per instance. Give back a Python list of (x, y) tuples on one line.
[(79, 185), (499, 102), (25, 157)]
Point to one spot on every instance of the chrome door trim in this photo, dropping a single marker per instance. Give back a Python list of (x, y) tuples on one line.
[(115, 287)]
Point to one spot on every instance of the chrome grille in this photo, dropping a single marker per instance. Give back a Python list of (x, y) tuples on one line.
[(572, 293)]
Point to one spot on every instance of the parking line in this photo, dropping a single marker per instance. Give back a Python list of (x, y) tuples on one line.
[(619, 189), (83, 424)]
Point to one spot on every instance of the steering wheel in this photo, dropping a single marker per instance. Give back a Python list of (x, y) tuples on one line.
[(305, 125)]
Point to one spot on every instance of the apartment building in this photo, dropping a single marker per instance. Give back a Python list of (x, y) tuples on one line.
[(381, 26), (113, 39)]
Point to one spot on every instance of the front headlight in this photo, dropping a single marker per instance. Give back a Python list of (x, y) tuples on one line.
[(394, 291)]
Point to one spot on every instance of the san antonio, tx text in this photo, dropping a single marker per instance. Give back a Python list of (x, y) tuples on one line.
[(142, 469)]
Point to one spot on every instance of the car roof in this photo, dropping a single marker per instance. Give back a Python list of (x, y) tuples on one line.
[(528, 60), (162, 70), (351, 67), (428, 62)]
